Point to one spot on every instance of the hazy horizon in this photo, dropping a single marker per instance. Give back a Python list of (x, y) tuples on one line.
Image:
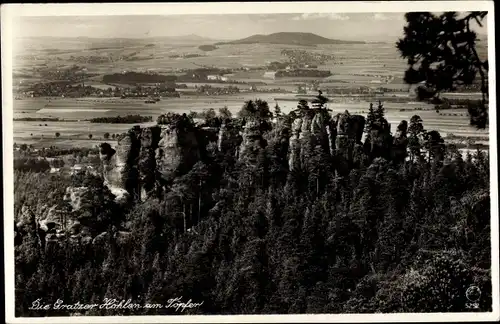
[(342, 26)]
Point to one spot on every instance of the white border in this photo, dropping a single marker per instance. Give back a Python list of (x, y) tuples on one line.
[(10, 10), (194, 8)]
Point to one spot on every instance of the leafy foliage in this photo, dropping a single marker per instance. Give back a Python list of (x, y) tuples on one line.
[(441, 54)]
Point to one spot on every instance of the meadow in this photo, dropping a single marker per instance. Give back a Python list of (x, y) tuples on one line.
[(76, 133)]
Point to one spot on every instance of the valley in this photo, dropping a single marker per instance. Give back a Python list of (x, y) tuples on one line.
[(375, 70)]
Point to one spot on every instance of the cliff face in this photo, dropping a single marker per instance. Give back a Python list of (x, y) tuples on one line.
[(400, 142), (145, 156), (306, 140), (252, 139), (148, 158), (349, 133), (76, 197), (294, 145), (55, 222), (115, 168), (351, 126), (177, 151), (312, 129), (149, 139), (379, 140), (229, 139), (222, 137)]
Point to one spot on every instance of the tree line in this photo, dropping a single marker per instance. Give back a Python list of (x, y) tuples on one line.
[(248, 236), (129, 119)]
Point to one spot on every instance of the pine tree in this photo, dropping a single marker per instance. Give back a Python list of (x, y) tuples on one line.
[(277, 110), (370, 119), (379, 113), (415, 130)]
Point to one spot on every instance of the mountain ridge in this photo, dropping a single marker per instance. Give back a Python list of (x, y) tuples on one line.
[(289, 38)]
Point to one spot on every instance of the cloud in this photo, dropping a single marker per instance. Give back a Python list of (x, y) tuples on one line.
[(330, 16), (380, 16)]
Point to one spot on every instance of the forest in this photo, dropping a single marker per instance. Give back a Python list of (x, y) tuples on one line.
[(129, 119), (249, 235)]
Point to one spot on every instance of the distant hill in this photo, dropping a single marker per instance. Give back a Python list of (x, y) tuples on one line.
[(102, 41), (290, 38)]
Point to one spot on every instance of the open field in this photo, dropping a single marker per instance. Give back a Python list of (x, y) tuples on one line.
[(355, 65), (352, 58), (455, 122), (372, 65)]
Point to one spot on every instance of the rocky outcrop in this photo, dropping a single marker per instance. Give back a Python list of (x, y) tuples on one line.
[(324, 132), (121, 237), (76, 197), (229, 138), (221, 137), (130, 169), (149, 139), (351, 126), (400, 142), (294, 145), (177, 151), (349, 133), (117, 169), (144, 156), (278, 147), (314, 128), (305, 126), (306, 138), (331, 133), (378, 141), (54, 223), (252, 140)]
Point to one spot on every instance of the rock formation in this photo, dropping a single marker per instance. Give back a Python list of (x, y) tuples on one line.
[(229, 138), (349, 133), (312, 129), (53, 222), (252, 139), (177, 151), (144, 156), (400, 142), (221, 138), (121, 237), (282, 131), (294, 145), (117, 167), (305, 138), (351, 126), (331, 133), (379, 140), (149, 138), (76, 197)]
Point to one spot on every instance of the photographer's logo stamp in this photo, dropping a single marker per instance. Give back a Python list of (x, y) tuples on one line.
[(473, 295)]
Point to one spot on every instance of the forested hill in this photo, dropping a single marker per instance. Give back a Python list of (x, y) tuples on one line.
[(290, 38), (261, 213)]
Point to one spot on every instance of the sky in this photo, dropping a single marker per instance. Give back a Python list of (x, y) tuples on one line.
[(345, 26)]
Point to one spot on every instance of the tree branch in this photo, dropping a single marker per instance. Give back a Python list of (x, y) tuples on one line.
[(479, 64)]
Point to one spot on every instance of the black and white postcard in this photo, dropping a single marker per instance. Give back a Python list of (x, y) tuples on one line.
[(250, 162)]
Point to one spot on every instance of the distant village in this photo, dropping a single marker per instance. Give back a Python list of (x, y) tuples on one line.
[(74, 82)]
